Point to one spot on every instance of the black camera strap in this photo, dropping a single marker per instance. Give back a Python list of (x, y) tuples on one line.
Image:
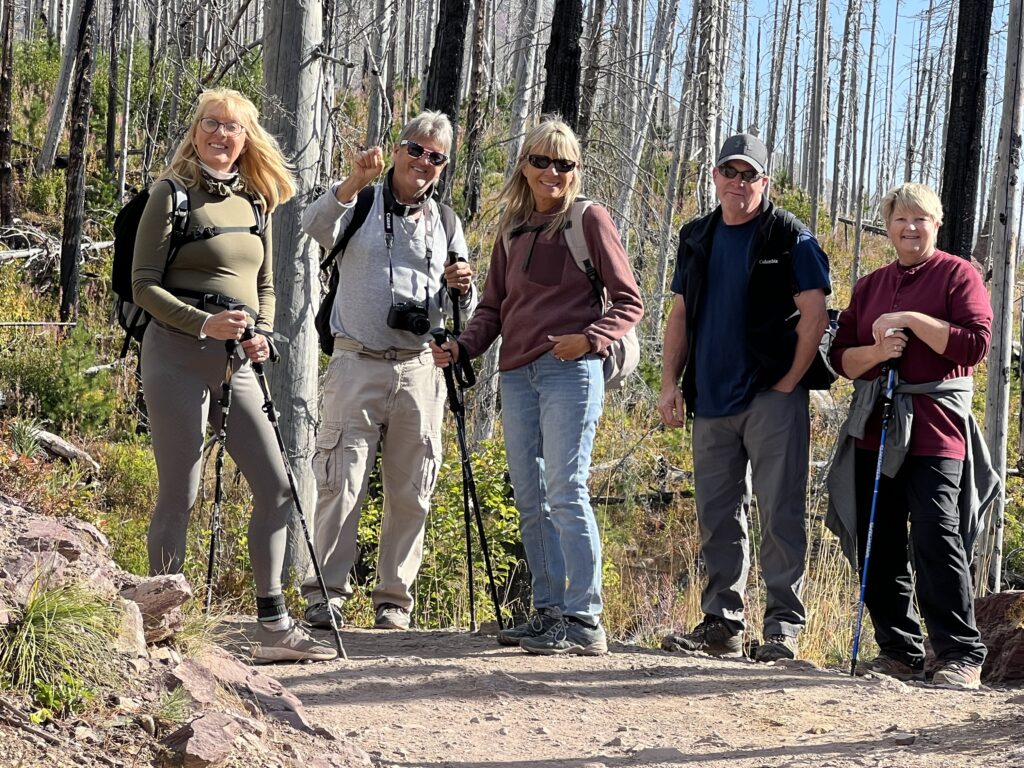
[(389, 242)]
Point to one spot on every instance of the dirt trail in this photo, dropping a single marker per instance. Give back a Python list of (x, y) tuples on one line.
[(455, 700)]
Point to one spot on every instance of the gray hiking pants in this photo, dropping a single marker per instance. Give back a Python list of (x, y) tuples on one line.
[(181, 376), (773, 435)]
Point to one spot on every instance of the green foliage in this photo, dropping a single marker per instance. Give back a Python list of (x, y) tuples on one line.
[(63, 696), (173, 706), (440, 591), (50, 381), (44, 194), (58, 647), (36, 69), (25, 437)]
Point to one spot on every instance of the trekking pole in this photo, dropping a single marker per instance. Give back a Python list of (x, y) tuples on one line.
[(271, 411), (221, 438), (469, 494), (886, 415)]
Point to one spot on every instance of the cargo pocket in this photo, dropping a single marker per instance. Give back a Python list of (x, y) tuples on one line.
[(430, 468), (325, 461)]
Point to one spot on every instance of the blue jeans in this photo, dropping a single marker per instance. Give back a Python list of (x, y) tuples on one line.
[(550, 410)]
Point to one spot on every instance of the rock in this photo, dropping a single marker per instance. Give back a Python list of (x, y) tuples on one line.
[(131, 637), (1015, 700), (45, 534), (82, 733), (904, 739), (543, 731), (817, 730), (1000, 619), (157, 595), (343, 756), (616, 742), (148, 724), (21, 572), (206, 741), (804, 664), (197, 680)]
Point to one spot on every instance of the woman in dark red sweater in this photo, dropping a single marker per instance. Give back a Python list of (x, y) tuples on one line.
[(554, 334), (928, 313)]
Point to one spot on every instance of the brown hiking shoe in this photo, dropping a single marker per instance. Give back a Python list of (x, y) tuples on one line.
[(775, 648), (959, 675), (712, 636), (890, 667)]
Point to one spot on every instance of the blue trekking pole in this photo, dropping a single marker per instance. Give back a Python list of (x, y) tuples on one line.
[(886, 415)]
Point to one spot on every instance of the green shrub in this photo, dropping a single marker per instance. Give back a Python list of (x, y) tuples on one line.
[(44, 194), (50, 381)]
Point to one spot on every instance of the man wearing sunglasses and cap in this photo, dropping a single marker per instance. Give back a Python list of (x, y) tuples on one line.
[(402, 257), (747, 318)]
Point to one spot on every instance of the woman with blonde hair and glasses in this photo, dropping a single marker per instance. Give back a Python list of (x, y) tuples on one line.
[(554, 333), (217, 283)]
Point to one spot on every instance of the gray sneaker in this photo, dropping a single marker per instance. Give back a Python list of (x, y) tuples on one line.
[(294, 644), (712, 636), (539, 623), (567, 635), (391, 616), (316, 614), (775, 648), (958, 675)]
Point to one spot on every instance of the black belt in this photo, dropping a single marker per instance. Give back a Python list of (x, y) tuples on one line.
[(201, 300)]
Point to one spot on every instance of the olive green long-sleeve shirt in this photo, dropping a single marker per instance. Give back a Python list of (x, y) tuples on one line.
[(236, 264)]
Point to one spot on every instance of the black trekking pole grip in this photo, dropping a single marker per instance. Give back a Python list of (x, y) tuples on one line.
[(440, 336)]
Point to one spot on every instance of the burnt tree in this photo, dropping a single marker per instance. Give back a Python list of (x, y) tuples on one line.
[(444, 76), (6, 112), (74, 201), (965, 130), (562, 62)]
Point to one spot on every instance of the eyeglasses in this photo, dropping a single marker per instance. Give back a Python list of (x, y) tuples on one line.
[(731, 173), (415, 150), (231, 128), (541, 162)]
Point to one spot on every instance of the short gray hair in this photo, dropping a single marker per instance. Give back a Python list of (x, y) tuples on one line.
[(429, 124)]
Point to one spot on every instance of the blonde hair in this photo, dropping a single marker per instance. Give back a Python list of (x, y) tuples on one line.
[(429, 124), (550, 137), (910, 197), (261, 166)]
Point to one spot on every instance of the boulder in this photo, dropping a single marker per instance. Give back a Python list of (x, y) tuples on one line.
[(206, 741), (1000, 619), (159, 597), (45, 534), (131, 637), (20, 572), (197, 680)]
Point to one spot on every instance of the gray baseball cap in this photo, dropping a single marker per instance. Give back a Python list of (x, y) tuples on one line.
[(745, 146)]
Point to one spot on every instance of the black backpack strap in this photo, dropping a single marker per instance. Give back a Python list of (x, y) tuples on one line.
[(364, 202), (447, 221), (181, 213)]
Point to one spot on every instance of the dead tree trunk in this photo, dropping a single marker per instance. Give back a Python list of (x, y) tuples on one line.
[(562, 62), (817, 107), (588, 95), (292, 75), (6, 113), (112, 87), (840, 170), (1006, 236), (444, 79), (122, 164), (966, 117), (74, 202), (866, 135), (525, 52), (474, 116), (60, 101)]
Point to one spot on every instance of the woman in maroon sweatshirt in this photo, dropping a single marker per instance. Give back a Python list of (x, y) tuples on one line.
[(554, 334), (929, 314)]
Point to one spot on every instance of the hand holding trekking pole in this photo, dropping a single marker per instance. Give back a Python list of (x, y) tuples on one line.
[(889, 371)]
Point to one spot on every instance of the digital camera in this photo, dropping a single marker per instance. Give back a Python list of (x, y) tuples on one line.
[(409, 316)]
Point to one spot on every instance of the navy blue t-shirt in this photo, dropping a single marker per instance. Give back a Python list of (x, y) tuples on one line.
[(725, 375)]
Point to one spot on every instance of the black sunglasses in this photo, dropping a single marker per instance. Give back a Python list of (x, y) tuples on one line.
[(541, 162), (731, 173), (415, 150)]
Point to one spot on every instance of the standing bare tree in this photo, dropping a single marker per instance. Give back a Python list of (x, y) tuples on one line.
[(74, 201), (474, 116), (292, 74), (562, 62), (6, 112), (813, 160), (588, 95), (965, 127), (523, 59), (60, 101), (444, 79), (110, 157)]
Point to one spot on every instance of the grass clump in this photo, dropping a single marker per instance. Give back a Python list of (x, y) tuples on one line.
[(57, 650)]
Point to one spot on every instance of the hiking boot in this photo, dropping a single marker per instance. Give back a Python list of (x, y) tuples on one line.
[(712, 636), (776, 647), (293, 644), (391, 616), (958, 674), (539, 623), (568, 635), (317, 616), (890, 667)]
